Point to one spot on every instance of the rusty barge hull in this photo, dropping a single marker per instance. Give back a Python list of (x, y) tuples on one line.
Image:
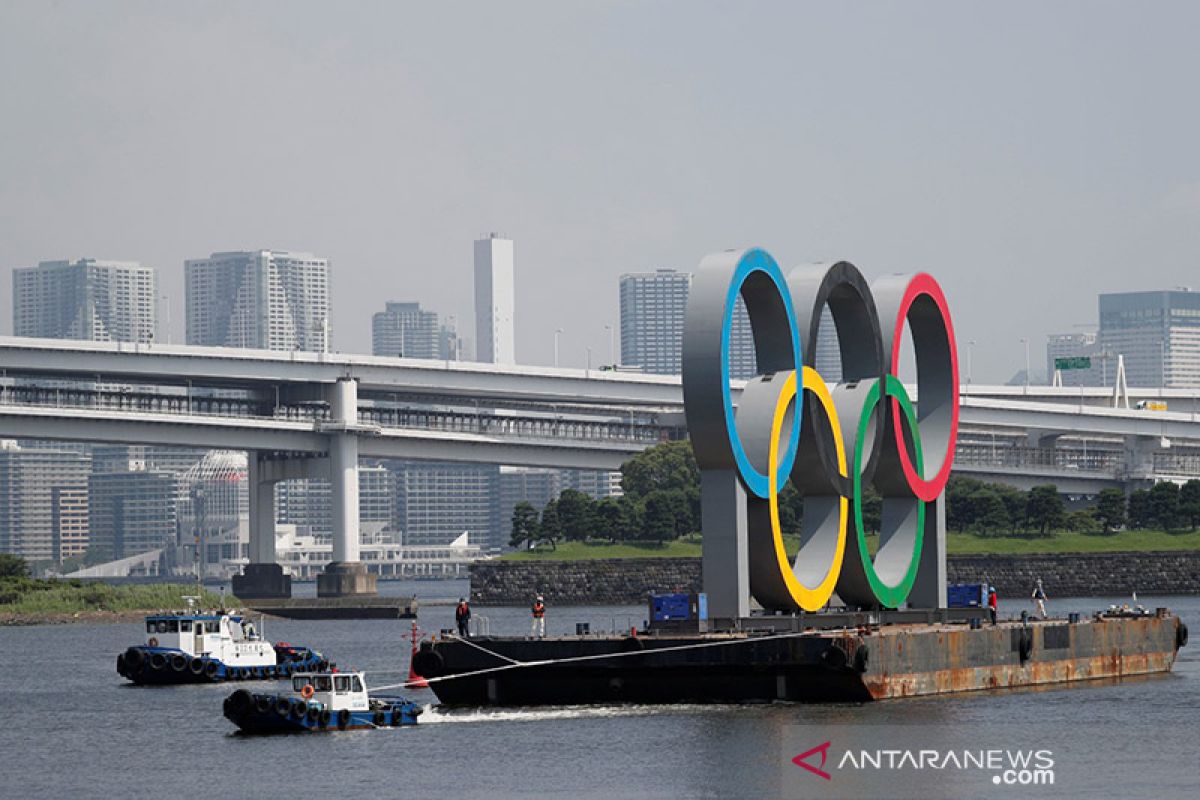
[(891, 661)]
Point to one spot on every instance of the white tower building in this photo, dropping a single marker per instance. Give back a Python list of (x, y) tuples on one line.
[(495, 300)]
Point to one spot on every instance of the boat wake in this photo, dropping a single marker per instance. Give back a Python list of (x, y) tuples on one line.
[(438, 715)]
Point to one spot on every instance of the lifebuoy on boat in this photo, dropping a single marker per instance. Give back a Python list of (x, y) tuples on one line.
[(153, 642), (307, 691)]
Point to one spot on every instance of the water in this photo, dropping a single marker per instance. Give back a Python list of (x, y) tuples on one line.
[(75, 729)]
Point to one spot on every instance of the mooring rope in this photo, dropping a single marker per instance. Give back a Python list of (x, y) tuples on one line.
[(595, 657)]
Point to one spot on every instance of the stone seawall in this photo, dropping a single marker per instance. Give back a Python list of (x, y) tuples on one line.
[(621, 581)]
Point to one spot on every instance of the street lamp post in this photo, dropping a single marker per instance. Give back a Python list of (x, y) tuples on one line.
[(1026, 343), (612, 344), (970, 359), (557, 333)]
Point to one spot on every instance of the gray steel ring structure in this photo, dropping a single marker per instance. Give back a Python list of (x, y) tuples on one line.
[(869, 404)]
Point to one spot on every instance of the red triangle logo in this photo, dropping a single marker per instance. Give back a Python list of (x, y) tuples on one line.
[(800, 760)]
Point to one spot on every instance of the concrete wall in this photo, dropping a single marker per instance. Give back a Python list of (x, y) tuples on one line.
[(629, 580)]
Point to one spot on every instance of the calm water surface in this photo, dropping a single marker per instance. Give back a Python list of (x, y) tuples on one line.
[(76, 729)]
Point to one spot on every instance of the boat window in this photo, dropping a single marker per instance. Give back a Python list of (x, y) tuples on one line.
[(299, 683), (358, 687), (185, 625), (212, 627), (149, 627), (323, 683), (342, 683), (173, 626)]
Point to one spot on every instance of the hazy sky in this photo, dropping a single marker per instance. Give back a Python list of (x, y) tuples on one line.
[(1028, 155)]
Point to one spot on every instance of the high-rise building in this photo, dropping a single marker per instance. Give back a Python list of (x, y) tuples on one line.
[(653, 305), (90, 299), (437, 502), (403, 330), (1158, 333), (41, 497), (495, 300), (132, 512), (262, 299), (307, 503), (1076, 346)]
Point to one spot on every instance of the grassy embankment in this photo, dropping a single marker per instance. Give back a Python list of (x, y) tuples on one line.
[(957, 544), (30, 597)]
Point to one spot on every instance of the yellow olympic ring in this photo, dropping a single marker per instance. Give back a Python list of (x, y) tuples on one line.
[(808, 598)]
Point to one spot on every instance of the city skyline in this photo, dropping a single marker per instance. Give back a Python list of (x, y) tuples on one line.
[(1027, 186)]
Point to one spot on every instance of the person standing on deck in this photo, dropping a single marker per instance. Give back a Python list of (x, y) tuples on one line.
[(993, 602), (1039, 599), (537, 626), (462, 616)]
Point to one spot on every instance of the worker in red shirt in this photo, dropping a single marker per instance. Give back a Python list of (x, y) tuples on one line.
[(537, 626), (993, 602), (462, 615)]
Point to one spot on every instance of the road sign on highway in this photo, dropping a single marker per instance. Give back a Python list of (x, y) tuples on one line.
[(1074, 362)]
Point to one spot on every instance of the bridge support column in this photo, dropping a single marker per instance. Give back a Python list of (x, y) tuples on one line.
[(345, 575), (262, 577)]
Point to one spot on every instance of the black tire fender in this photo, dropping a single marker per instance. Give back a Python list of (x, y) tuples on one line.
[(343, 718), (210, 669), (632, 644), (380, 719), (158, 661), (1181, 635), (262, 703), (196, 666), (862, 658), (1025, 645), (134, 658), (179, 663), (428, 663), (283, 706), (835, 656), (239, 701), (323, 717), (120, 663)]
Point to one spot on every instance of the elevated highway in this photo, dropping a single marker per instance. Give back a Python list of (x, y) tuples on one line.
[(315, 415)]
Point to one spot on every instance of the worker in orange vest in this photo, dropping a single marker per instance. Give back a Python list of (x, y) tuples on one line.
[(538, 625), (462, 615)]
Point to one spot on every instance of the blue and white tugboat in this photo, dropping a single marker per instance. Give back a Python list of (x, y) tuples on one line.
[(205, 647), (324, 701)]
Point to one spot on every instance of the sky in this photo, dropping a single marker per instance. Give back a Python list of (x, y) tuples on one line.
[(1028, 155)]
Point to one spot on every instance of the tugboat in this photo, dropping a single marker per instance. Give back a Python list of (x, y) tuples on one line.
[(198, 647), (327, 701)]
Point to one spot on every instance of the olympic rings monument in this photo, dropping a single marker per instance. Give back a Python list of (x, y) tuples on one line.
[(830, 441)]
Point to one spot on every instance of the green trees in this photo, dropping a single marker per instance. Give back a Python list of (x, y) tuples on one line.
[(550, 528), (1045, 508), (1189, 503), (1138, 513), (524, 524), (13, 566), (575, 515), (1164, 505), (1110, 509)]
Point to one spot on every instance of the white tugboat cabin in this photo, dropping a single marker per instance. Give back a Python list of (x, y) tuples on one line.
[(229, 638), (334, 691)]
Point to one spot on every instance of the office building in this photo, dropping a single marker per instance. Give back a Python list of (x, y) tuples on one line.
[(308, 504), (1074, 347), (132, 512), (404, 330), (90, 299), (42, 494), (1158, 333), (263, 299), (437, 502), (495, 300), (653, 306)]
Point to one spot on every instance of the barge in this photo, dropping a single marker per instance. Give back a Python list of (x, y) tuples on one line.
[(863, 657)]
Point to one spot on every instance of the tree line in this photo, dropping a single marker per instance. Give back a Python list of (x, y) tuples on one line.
[(661, 502), (993, 509)]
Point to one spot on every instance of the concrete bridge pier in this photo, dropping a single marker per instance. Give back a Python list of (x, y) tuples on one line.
[(262, 577), (345, 575)]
